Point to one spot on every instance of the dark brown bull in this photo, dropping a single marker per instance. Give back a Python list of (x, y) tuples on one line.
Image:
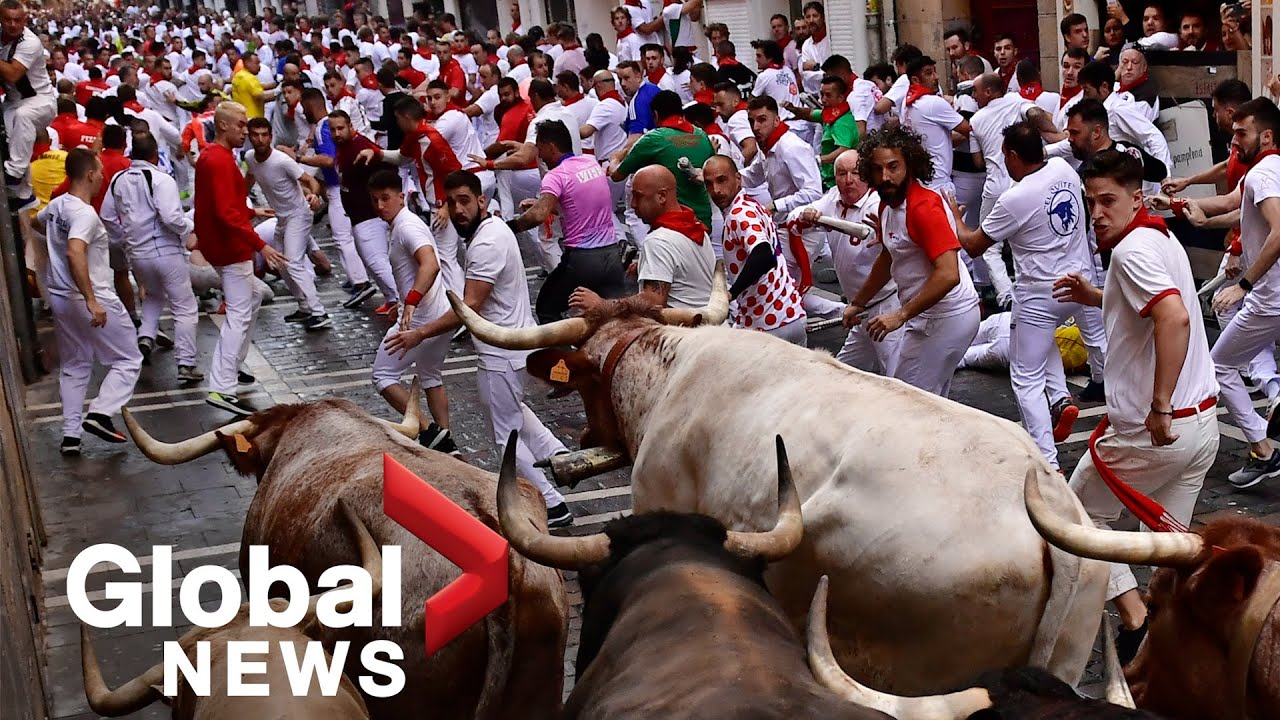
[(677, 622), (279, 704), (306, 457), (1213, 645)]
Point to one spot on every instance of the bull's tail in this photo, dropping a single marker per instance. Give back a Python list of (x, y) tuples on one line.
[(500, 629), (1064, 574)]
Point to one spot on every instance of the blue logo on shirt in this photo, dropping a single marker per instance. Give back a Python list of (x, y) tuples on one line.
[(1064, 211)]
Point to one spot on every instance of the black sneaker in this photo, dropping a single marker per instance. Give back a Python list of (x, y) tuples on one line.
[(1128, 641), (231, 404), (559, 516), (317, 322), (359, 294), (1094, 392), (163, 341), (438, 439), (297, 316), (245, 378), (1256, 470), (145, 346), (1250, 383), (70, 445), (100, 425)]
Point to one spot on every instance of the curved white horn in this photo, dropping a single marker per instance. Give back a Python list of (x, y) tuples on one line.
[(570, 331), (1133, 548), (1117, 687), (411, 425), (787, 531), (822, 661), (526, 535), (713, 313), (186, 450), (129, 697)]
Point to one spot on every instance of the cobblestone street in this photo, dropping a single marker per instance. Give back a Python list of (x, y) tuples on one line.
[(112, 494)]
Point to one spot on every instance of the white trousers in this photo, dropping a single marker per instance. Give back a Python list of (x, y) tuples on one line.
[(795, 332), (340, 224), (863, 353), (427, 358), (1035, 365), (994, 262), (502, 399), (1262, 367), (1250, 331), (243, 300), (969, 194), (167, 279), (21, 120), (114, 345), (619, 191), (1171, 475), (373, 239), (513, 187), (932, 348), (293, 237)]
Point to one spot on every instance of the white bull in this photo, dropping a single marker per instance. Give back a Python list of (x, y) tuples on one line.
[(912, 503)]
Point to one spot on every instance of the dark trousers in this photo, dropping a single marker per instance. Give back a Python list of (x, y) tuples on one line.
[(597, 269)]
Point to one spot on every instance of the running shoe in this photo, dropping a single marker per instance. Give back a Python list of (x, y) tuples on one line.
[(189, 374), (297, 316), (359, 294), (387, 308), (1064, 414), (245, 378), (100, 425), (1095, 391), (70, 445), (438, 439), (145, 346), (317, 322), (163, 340), (1256, 470), (559, 516), (231, 404)]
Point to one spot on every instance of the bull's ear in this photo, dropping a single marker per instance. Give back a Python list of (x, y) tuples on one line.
[(560, 367), (244, 455), (1225, 582)]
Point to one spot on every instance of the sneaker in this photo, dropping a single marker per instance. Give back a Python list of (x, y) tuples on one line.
[(245, 378), (100, 425), (70, 445), (163, 340), (438, 439), (297, 316), (145, 346), (1095, 391), (359, 294), (1256, 470), (189, 374), (222, 308), (1128, 641), (1250, 384), (231, 404), (559, 516), (1064, 414), (387, 308), (317, 322)]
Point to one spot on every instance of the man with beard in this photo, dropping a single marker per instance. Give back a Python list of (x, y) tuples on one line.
[(921, 255), (1256, 325), (1162, 433), (780, 32), (496, 289), (1128, 120), (516, 184)]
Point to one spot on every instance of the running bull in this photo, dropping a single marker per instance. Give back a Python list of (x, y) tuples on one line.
[(306, 457), (1213, 642), (280, 703), (677, 622), (912, 503)]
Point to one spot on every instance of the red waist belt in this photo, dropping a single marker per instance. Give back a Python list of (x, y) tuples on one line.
[(1189, 411)]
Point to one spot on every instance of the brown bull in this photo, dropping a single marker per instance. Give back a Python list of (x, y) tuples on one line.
[(306, 457), (1213, 645), (279, 704)]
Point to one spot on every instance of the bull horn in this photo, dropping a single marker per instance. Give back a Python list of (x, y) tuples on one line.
[(524, 534), (1117, 688), (128, 698), (570, 331), (186, 450), (412, 422), (829, 673), (1132, 548), (370, 560), (787, 532), (713, 313)]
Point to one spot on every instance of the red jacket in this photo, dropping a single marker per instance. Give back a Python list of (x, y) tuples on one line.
[(223, 230)]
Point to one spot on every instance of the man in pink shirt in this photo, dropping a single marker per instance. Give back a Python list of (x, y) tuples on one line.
[(577, 188)]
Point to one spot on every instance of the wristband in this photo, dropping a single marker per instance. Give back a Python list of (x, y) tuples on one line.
[(488, 165), (1179, 207), (1245, 284), (1161, 412), (1234, 248), (413, 298)]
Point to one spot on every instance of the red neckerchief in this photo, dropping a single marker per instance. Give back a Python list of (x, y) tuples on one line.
[(676, 122), (494, 59), (1141, 220), (742, 105), (634, 3), (773, 66), (655, 76), (1067, 94), (1261, 156), (571, 47), (684, 222), (572, 100), (915, 92), (340, 59), (1006, 74), (1031, 90), (613, 94), (518, 64), (626, 33), (784, 43), (729, 62), (424, 53), (775, 136), (370, 81), (819, 37), (1126, 87), (834, 113), (346, 92), (714, 129), (706, 97), (193, 70), (134, 105)]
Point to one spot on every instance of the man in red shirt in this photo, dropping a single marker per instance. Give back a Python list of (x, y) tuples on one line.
[(514, 185), (71, 132), (228, 241), (95, 86), (451, 73)]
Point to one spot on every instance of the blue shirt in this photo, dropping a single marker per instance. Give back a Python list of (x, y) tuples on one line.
[(639, 116), (326, 146)]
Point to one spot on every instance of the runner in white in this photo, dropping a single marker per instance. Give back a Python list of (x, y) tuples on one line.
[(928, 114), (29, 99), (458, 130)]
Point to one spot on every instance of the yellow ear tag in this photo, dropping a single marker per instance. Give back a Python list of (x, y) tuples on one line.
[(560, 373), (242, 443)]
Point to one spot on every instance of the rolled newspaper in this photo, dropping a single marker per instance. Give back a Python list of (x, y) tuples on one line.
[(1213, 285), (855, 229)]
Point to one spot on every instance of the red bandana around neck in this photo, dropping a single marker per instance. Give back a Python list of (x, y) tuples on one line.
[(1142, 219), (785, 42), (915, 92), (626, 33), (612, 94), (706, 97), (1031, 91), (346, 92), (729, 62), (675, 122), (134, 105), (655, 76), (572, 100), (684, 222), (819, 36), (775, 136), (518, 64), (370, 82), (1006, 74), (1126, 87), (1067, 94), (742, 105), (424, 53), (834, 113), (569, 48), (714, 129), (1261, 156)]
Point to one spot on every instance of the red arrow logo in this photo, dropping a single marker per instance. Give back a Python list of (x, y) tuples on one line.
[(455, 534)]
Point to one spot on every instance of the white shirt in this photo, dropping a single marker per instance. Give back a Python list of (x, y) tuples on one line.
[(1060, 112), (862, 101), (66, 217), (581, 110), (671, 257), (1147, 266), (1129, 122), (934, 118), (640, 16), (278, 176), (156, 97), (898, 93), (1261, 183), (427, 66), (628, 48), (988, 127), (916, 233), (359, 120), (679, 26), (457, 130), (148, 216), (486, 125), (791, 170), (738, 128), (521, 72), (555, 111), (493, 256), (1043, 219), (851, 258), (779, 84), (409, 234), (371, 102), (35, 82), (815, 52), (164, 130), (607, 117), (189, 90)]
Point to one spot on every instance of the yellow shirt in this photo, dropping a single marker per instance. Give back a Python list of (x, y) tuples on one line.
[(245, 89), (48, 171)]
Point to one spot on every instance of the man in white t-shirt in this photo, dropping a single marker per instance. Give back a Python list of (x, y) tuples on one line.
[(816, 49), (896, 94), (29, 99), (497, 290), (646, 24), (89, 321), (1163, 427), (1042, 217), (1257, 324), (933, 118), (458, 130), (629, 41), (680, 20), (775, 80)]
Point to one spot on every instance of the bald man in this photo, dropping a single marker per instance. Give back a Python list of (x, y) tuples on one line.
[(851, 199), (766, 296), (676, 260)]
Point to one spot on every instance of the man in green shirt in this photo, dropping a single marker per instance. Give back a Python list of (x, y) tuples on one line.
[(672, 139), (839, 128)]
